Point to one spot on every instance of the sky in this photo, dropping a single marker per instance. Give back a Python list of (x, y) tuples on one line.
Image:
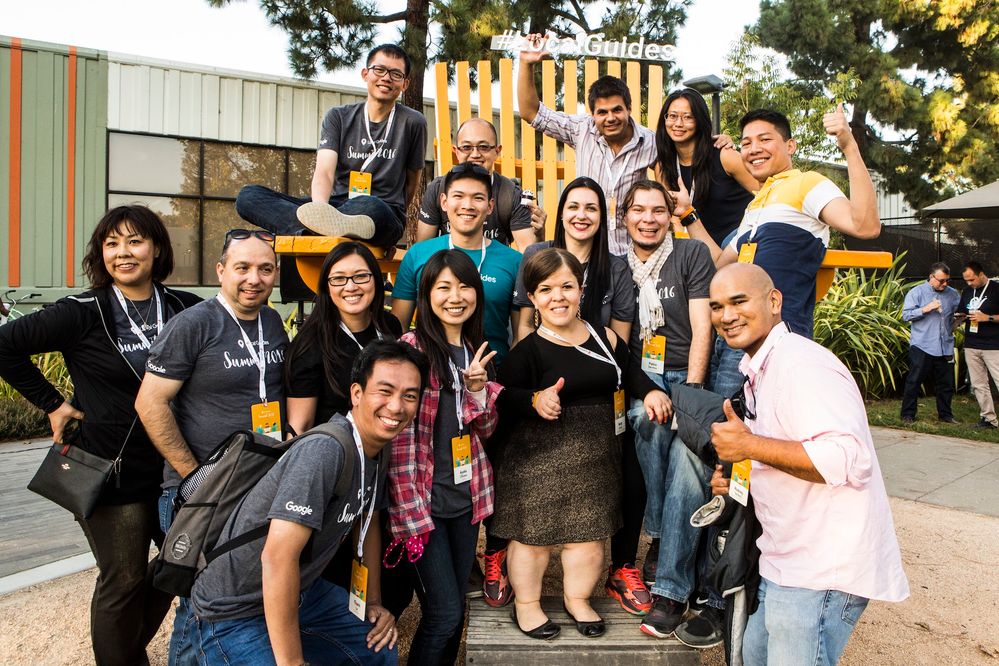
[(239, 36)]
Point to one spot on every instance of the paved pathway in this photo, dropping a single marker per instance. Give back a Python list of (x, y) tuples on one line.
[(945, 471)]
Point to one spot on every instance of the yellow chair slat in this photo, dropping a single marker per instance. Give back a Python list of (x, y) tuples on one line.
[(485, 72), (464, 84), (655, 103), (528, 177), (549, 148), (509, 155), (570, 104), (445, 158), (614, 68), (309, 252), (633, 78)]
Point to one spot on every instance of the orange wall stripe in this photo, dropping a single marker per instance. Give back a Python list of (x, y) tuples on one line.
[(71, 170), (14, 205)]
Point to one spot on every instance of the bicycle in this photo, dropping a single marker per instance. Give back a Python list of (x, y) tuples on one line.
[(8, 305)]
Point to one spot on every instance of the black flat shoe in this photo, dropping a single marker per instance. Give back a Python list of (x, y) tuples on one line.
[(545, 632), (589, 629)]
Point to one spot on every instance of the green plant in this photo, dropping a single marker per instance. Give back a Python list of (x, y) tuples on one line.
[(19, 419), (860, 320)]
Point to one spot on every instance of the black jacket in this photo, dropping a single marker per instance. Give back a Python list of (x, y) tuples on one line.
[(104, 384)]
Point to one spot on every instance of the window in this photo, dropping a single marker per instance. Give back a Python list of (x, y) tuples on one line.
[(192, 185)]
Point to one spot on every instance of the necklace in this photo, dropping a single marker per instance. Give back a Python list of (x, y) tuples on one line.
[(149, 309)]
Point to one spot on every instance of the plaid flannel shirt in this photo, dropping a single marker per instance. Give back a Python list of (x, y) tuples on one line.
[(411, 466)]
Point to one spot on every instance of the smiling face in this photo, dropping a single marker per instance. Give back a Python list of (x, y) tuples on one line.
[(478, 144), (581, 214), (352, 298), (647, 219), (128, 257), (246, 279), (764, 151), (387, 402), (452, 300), (384, 88), (612, 118), (557, 298), (466, 204), (744, 306), (680, 123), (939, 280)]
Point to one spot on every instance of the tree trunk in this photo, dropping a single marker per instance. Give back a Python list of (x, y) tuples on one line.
[(414, 41)]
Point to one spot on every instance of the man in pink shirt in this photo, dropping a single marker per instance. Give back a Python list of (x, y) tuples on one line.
[(828, 543)]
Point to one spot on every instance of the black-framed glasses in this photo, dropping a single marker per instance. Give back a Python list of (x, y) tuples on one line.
[(941, 280), (483, 148), (394, 74), (341, 280), (243, 234)]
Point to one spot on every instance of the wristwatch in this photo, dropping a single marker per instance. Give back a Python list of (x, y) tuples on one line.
[(690, 217), (696, 385)]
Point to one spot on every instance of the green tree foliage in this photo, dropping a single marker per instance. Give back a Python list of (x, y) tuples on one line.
[(926, 104)]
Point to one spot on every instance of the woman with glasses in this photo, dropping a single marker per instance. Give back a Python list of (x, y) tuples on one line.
[(104, 335), (441, 482)]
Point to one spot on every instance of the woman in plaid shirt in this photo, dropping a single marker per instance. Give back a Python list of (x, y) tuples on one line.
[(441, 482)]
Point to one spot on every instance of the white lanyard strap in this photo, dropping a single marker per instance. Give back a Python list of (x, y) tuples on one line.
[(367, 126), (679, 178), (350, 334), (260, 359), (763, 204), (609, 358), (374, 491), (146, 344), (977, 301), (459, 387), (482, 259)]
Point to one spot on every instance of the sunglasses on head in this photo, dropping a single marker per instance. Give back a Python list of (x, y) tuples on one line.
[(243, 234)]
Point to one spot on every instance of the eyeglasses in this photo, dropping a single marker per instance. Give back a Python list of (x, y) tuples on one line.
[(243, 234), (341, 280), (941, 280), (483, 148), (394, 74), (684, 118)]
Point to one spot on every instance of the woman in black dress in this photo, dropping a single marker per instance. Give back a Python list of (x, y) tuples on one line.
[(559, 469)]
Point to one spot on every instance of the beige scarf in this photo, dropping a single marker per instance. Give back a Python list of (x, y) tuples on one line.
[(650, 308)]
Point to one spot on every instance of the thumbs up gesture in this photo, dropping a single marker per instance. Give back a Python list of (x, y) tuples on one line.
[(546, 403), (730, 435), (681, 197), (836, 126)]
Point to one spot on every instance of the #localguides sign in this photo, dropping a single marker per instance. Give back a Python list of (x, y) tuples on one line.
[(584, 45)]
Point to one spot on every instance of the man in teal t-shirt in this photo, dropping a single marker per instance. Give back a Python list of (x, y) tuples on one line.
[(467, 200)]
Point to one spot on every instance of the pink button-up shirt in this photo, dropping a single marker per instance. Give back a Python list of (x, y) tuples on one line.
[(833, 536)]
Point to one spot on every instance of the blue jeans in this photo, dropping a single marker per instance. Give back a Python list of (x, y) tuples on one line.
[(441, 579), (797, 626), (181, 649), (330, 634), (677, 484), (275, 212), (726, 378)]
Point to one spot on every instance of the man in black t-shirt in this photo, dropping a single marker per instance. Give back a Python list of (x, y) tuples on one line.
[(367, 166), (978, 310), (510, 220)]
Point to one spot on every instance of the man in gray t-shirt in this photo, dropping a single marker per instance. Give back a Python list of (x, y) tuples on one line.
[(368, 165), (309, 619)]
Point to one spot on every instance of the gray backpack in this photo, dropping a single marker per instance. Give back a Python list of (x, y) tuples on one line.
[(214, 490)]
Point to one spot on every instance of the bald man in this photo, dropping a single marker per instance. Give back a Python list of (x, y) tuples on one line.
[(510, 221), (828, 543)]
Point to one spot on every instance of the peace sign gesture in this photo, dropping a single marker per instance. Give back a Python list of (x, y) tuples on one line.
[(475, 374)]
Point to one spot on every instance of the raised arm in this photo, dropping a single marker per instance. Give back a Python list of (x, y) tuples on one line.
[(857, 216), (153, 407), (527, 93)]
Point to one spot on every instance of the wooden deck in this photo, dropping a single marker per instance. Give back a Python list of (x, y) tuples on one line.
[(492, 639)]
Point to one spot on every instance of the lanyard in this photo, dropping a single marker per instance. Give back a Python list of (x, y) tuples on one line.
[(609, 358), (135, 327), (459, 387), (374, 147), (350, 334), (976, 301), (374, 490), (679, 178), (482, 259), (765, 194), (259, 359)]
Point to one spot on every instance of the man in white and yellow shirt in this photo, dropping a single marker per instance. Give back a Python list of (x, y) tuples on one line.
[(786, 227)]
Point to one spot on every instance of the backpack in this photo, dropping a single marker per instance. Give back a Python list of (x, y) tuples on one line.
[(209, 495)]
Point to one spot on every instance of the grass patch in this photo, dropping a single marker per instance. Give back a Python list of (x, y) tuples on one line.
[(19, 419), (887, 413)]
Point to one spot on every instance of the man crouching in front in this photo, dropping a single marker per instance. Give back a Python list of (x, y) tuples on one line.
[(265, 602)]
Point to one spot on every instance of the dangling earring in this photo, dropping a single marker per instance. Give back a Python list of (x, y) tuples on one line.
[(578, 316), (537, 319)]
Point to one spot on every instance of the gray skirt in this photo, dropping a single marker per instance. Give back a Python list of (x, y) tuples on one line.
[(560, 481)]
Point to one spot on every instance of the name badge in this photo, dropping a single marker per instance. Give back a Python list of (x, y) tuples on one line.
[(611, 208), (266, 419), (360, 184), (461, 457), (619, 415), (972, 324), (747, 253), (738, 486), (654, 354), (358, 589)]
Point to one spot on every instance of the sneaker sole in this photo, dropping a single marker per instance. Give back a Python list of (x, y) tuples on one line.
[(693, 644), (325, 220), (614, 594), (655, 633)]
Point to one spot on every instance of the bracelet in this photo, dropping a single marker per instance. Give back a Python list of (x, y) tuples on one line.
[(690, 217), (534, 399)]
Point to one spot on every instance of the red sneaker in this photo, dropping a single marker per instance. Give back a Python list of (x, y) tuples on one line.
[(625, 584), (496, 586)]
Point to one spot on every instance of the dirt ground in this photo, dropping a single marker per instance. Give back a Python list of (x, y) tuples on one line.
[(952, 617)]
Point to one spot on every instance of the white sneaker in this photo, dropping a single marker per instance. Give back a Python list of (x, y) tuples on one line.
[(325, 220)]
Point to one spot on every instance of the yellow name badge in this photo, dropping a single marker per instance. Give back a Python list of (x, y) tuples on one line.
[(461, 456), (360, 184), (266, 419), (358, 589), (654, 354), (747, 253), (611, 208), (619, 415), (738, 487)]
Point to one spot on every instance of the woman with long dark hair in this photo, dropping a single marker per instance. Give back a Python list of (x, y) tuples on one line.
[(349, 313), (104, 335), (581, 228), (440, 480)]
